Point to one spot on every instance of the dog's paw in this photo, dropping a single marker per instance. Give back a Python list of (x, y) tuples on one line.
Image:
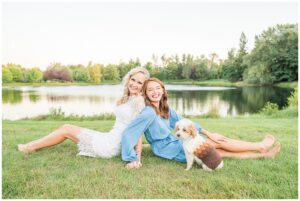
[(205, 168)]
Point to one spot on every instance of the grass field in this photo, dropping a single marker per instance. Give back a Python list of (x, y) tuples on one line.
[(57, 172)]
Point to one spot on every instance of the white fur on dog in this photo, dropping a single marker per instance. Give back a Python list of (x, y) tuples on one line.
[(191, 140)]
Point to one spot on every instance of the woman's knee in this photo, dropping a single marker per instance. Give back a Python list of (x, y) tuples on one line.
[(70, 130), (68, 127), (216, 145)]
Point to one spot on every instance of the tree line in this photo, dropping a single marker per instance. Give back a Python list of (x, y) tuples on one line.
[(274, 58)]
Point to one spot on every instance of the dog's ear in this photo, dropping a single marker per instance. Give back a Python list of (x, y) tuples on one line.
[(192, 130), (176, 126)]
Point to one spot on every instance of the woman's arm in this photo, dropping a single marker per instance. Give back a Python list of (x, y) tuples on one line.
[(174, 117), (214, 136), (139, 148), (134, 131)]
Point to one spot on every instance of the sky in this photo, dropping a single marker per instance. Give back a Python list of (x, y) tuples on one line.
[(35, 34)]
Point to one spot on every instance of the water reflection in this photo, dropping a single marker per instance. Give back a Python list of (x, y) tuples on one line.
[(11, 96), (58, 98), (244, 100), (92, 100), (34, 97)]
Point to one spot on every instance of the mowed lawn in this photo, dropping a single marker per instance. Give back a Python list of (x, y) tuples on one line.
[(57, 172)]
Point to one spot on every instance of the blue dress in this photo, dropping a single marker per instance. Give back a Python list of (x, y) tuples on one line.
[(157, 132)]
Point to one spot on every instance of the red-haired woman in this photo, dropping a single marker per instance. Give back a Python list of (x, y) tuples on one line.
[(156, 121)]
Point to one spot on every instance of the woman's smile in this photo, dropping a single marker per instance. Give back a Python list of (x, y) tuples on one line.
[(136, 83), (154, 91), (156, 95)]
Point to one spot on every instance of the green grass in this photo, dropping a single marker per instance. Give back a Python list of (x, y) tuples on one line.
[(226, 83), (218, 82), (57, 172), (293, 84)]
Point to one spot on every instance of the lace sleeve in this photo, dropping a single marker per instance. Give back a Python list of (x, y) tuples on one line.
[(138, 105)]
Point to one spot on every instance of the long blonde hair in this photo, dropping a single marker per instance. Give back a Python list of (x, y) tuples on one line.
[(163, 109), (126, 79)]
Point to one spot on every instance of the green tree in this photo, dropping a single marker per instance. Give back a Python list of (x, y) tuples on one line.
[(228, 67), (149, 66), (187, 68), (124, 68), (80, 73), (6, 75), (187, 71), (276, 50), (95, 72), (233, 68), (258, 74), (17, 72), (171, 71), (200, 70), (111, 72), (240, 60), (34, 75), (214, 69)]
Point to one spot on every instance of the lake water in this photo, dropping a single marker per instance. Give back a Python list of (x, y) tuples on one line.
[(20, 102)]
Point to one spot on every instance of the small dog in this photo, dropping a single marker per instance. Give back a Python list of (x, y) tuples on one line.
[(195, 147)]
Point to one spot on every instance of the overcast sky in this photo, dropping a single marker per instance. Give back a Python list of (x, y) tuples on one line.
[(36, 34)]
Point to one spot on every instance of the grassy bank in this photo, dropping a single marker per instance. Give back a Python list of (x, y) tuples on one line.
[(205, 83), (288, 84), (57, 172), (19, 84), (185, 82), (226, 83)]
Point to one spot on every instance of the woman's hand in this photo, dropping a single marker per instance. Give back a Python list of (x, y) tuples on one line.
[(217, 138), (134, 165)]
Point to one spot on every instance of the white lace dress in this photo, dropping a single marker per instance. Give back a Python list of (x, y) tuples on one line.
[(99, 144)]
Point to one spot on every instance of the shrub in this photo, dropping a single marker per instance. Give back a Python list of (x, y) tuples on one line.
[(57, 71), (59, 115), (213, 113), (293, 98), (269, 109)]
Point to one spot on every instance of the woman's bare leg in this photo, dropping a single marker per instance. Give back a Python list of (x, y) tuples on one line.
[(67, 131), (232, 145), (246, 155)]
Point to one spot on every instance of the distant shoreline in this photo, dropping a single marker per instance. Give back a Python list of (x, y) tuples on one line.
[(184, 82)]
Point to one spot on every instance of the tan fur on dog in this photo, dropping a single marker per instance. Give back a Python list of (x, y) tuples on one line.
[(192, 130), (196, 148), (208, 154)]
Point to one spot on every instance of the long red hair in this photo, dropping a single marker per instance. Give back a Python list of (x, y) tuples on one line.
[(163, 109)]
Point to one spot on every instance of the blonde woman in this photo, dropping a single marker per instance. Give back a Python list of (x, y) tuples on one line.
[(97, 144)]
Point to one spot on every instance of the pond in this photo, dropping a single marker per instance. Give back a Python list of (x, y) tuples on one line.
[(20, 102)]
